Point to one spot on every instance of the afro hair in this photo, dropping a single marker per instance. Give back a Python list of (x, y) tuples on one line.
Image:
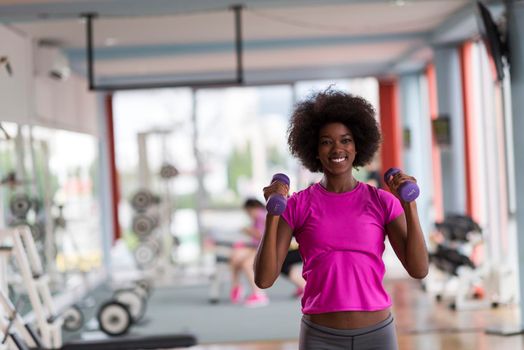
[(332, 106)]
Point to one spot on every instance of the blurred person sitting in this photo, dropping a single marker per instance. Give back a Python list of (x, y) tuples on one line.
[(292, 269), (243, 257)]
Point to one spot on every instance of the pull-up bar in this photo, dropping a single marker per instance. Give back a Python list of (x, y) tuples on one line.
[(238, 80)]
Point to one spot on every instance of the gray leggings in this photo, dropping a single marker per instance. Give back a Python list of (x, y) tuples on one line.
[(381, 336)]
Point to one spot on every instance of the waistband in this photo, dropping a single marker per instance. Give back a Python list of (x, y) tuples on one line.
[(350, 332)]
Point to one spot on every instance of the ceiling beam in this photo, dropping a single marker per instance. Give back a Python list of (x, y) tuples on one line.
[(123, 52), (128, 8), (253, 77), (237, 80)]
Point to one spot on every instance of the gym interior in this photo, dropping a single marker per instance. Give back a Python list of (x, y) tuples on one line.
[(132, 131)]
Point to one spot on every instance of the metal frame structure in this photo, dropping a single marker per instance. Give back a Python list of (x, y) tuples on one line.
[(238, 80), (48, 320)]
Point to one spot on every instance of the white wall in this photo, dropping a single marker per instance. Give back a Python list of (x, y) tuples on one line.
[(27, 98), (16, 91), (65, 104)]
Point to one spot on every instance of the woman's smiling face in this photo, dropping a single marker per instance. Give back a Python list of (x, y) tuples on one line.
[(336, 149)]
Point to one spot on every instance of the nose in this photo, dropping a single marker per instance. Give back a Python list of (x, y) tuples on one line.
[(338, 145)]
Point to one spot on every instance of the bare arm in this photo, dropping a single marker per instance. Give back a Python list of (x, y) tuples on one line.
[(406, 236), (407, 240), (274, 244), (272, 251)]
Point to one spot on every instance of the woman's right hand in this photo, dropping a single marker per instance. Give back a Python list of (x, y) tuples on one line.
[(276, 187)]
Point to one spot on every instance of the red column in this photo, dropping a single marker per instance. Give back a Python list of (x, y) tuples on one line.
[(472, 185), (113, 174), (391, 151), (438, 201)]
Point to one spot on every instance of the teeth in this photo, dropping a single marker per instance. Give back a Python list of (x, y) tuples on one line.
[(338, 160)]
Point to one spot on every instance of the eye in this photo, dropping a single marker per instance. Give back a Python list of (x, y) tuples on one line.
[(325, 142), (347, 140)]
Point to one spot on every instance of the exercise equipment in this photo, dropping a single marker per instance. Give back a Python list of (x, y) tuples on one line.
[(217, 278), (150, 223), (408, 191), (19, 335), (168, 171), (144, 288), (450, 257), (135, 302), (143, 225), (153, 210), (477, 283), (114, 316), (19, 205), (73, 319), (276, 203), (146, 254), (143, 199)]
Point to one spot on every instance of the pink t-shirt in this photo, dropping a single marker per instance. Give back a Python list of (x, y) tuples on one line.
[(341, 239)]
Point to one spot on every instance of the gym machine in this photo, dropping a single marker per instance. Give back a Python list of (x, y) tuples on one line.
[(27, 184), (18, 335), (115, 316), (135, 299), (152, 217), (477, 282)]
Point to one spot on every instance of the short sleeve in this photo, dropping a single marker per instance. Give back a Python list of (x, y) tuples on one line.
[(391, 205), (290, 214)]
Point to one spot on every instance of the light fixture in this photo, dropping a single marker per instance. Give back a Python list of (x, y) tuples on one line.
[(4, 61), (110, 41), (6, 135)]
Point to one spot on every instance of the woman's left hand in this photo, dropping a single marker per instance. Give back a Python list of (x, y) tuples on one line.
[(395, 181)]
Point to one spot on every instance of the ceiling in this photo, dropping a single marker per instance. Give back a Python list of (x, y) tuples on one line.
[(283, 41)]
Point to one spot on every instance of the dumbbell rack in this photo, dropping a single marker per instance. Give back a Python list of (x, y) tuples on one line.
[(36, 282)]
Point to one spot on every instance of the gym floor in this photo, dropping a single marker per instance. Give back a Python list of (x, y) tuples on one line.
[(425, 324)]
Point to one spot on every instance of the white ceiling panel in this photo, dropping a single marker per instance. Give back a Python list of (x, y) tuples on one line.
[(292, 58), (349, 19), (198, 36), (272, 23)]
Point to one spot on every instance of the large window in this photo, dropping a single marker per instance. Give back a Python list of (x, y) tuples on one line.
[(225, 143), (49, 182)]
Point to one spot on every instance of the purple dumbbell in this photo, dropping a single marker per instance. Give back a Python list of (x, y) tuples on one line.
[(408, 191), (276, 203)]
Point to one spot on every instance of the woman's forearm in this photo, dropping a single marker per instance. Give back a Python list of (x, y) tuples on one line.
[(266, 260), (417, 260)]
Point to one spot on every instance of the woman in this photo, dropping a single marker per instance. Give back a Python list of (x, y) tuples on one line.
[(341, 225), (243, 256)]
